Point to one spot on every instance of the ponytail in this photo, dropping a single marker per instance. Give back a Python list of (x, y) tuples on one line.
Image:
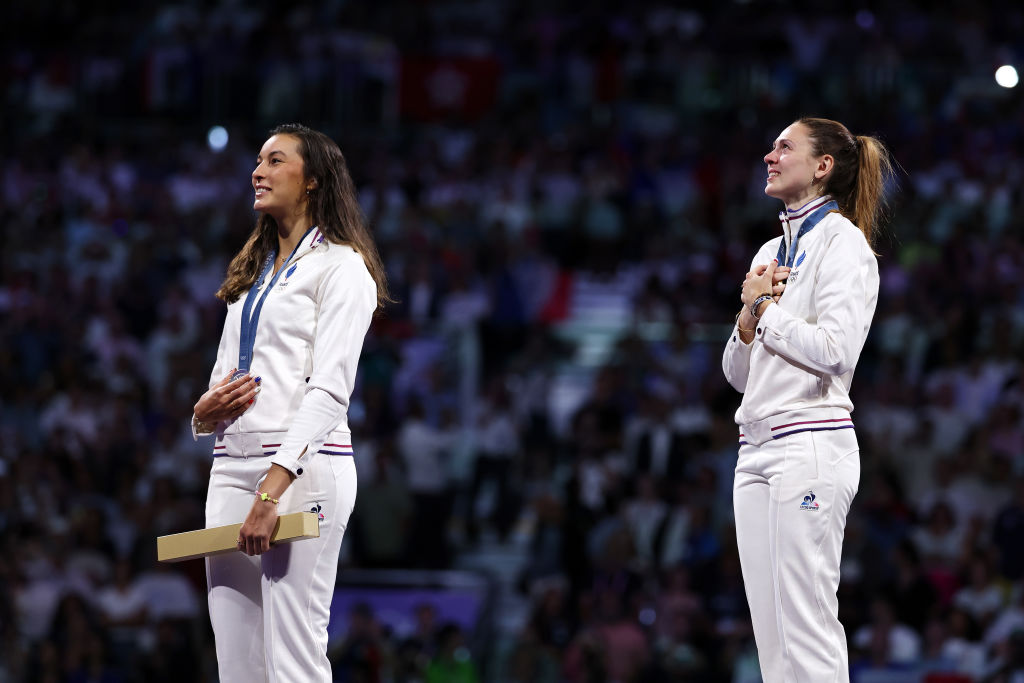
[(874, 166), (860, 167)]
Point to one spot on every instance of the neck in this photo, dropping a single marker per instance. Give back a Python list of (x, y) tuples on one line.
[(289, 232), (796, 202)]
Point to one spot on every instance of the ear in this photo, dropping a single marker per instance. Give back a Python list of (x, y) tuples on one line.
[(824, 166), (312, 185)]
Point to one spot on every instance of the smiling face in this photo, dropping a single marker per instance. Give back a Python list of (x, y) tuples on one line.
[(279, 178), (795, 174)]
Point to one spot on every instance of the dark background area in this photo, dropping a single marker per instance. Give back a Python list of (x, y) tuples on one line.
[(566, 199)]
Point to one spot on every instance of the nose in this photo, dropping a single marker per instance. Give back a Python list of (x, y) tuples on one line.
[(257, 174), (770, 157)]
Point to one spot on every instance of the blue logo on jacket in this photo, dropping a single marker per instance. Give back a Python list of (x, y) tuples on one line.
[(287, 274), (794, 273)]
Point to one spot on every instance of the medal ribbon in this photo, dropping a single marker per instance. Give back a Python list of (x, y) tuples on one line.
[(251, 315), (805, 227)]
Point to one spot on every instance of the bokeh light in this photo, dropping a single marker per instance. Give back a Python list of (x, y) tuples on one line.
[(217, 138), (1006, 76)]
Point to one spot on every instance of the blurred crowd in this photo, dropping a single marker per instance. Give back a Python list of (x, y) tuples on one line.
[(601, 179)]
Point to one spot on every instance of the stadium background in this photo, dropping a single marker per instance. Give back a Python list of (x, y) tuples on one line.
[(566, 199)]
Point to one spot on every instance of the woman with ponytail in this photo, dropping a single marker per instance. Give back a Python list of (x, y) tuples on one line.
[(807, 304), (300, 296)]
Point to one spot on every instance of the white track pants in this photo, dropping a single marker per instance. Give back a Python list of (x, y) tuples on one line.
[(270, 612), (791, 497)]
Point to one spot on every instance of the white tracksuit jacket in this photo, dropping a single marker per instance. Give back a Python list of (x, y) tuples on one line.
[(270, 612), (800, 365), (308, 342), (791, 495)]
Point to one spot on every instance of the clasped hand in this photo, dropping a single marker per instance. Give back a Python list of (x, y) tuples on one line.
[(228, 398), (764, 279)]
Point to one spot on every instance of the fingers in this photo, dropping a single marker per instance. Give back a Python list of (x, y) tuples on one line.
[(770, 270), (241, 391), (254, 544), (781, 273), (227, 379), (778, 289)]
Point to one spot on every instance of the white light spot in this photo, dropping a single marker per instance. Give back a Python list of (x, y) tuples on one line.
[(1006, 76), (217, 138)]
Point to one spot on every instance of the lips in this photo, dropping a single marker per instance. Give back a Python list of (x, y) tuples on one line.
[(260, 189)]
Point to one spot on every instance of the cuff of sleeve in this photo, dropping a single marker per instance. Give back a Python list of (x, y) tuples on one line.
[(202, 428), (293, 464), (737, 340), (767, 321)]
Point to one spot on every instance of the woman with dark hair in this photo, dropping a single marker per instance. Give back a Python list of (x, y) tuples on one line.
[(300, 294), (807, 301)]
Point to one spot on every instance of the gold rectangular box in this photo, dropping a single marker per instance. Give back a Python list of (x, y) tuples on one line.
[(224, 539)]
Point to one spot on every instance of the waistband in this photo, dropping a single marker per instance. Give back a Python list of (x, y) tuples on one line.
[(794, 422), (259, 444)]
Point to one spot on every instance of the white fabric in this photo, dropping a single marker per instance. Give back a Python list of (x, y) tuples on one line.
[(790, 553), (312, 326), (270, 612), (806, 347), (796, 375)]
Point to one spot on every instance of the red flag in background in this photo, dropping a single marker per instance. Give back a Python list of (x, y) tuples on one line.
[(435, 87)]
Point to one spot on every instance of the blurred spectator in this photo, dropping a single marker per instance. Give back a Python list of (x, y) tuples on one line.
[(565, 245), (363, 655), (424, 450), (453, 662), (382, 521), (884, 641)]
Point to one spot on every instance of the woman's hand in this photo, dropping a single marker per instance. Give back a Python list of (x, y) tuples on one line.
[(254, 536), (763, 280), (227, 399)]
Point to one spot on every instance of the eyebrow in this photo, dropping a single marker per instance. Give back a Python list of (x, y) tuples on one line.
[(782, 140), (272, 153)]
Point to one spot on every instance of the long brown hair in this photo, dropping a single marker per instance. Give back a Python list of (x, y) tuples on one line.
[(861, 166), (332, 207)]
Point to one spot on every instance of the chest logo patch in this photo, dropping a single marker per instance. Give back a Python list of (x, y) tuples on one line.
[(795, 273), (288, 273)]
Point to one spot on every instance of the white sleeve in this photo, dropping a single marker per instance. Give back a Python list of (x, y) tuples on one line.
[(348, 298), (217, 374), (845, 294), (736, 357)]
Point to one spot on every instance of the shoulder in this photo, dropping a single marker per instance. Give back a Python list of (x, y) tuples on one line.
[(840, 231), (342, 256), (340, 261)]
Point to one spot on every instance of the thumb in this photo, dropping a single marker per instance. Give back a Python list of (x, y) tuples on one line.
[(771, 269)]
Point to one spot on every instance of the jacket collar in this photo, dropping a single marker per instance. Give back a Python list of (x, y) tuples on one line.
[(801, 221)]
